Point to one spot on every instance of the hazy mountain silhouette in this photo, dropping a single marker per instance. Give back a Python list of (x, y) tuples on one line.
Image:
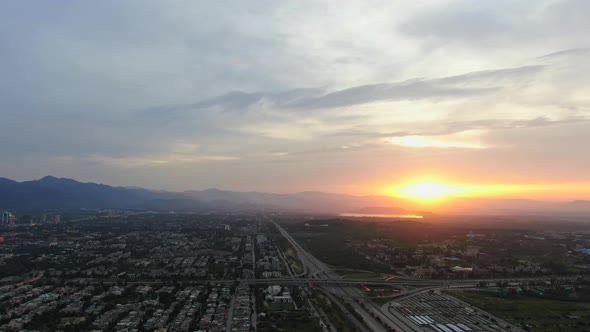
[(51, 192)]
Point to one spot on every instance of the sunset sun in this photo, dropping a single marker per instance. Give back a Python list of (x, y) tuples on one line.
[(429, 190)]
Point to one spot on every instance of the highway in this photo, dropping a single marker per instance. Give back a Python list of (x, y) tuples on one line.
[(319, 279), (317, 270), (306, 294), (450, 283), (338, 281), (319, 274)]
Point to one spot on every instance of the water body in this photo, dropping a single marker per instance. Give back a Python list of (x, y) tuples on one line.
[(376, 215)]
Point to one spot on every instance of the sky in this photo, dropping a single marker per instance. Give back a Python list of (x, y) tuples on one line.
[(284, 96)]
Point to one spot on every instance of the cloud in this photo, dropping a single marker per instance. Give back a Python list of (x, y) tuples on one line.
[(568, 53), (231, 94), (484, 25), (385, 92), (449, 127), (458, 86), (496, 124), (237, 101), (154, 161), (497, 76), (463, 140)]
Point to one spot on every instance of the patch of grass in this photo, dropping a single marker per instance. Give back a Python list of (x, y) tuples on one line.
[(540, 315), (290, 254), (335, 315), (279, 306), (331, 250), (292, 321), (295, 262)]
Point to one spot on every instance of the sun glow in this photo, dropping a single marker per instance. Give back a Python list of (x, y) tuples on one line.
[(428, 190), (434, 191)]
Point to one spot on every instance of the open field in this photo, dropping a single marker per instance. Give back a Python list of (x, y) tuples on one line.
[(336, 316), (540, 315), (288, 321), (290, 254)]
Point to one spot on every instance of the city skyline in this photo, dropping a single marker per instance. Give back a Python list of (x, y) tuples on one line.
[(481, 99)]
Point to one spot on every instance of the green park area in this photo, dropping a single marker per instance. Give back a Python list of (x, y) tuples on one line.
[(535, 314), (335, 315), (288, 321), (290, 254)]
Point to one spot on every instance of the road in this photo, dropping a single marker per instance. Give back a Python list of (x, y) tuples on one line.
[(254, 315), (305, 294), (387, 307), (230, 313), (449, 284), (359, 325), (320, 274), (365, 308)]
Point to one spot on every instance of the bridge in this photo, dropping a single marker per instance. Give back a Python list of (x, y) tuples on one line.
[(376, 318), (403, 282)]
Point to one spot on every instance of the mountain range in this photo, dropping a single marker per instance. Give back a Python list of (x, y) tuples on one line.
[(61, 193)]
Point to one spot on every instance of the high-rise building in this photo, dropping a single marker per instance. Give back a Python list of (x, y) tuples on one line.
[(57, 218), (7, 218)]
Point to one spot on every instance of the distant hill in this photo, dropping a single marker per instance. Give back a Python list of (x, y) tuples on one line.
[(304, 201), (51, 193), (581, 204)]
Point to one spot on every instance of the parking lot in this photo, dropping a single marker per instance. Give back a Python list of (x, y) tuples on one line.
[(435, 311)]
